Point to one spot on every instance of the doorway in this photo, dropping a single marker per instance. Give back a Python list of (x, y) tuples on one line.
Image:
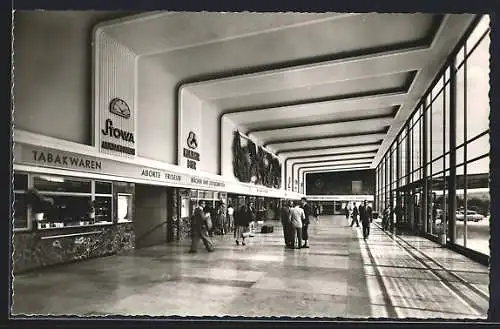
[(152, 215)]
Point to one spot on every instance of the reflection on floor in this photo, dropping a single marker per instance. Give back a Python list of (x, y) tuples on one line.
[(341, 275)]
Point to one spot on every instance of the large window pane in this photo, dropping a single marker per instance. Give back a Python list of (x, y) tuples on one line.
[(437, 166), (460, 155), (437, 127), (460, 225), (446, 97), (478, 206), (478, 104), (483, 26), (428, 132), (416, 145), (478, 147), (437, 220), (460, 57), (403, 160), (460, 97)]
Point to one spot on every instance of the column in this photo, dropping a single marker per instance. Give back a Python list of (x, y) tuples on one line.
[(452, 183), (423, 139)]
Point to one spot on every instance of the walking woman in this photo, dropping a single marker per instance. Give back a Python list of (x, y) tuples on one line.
[(242, 220)]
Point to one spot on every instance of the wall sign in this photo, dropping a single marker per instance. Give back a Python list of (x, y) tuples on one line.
[(57, 159), (189, 153), (117, 130)]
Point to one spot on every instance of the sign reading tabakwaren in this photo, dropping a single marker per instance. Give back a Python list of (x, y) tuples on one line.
[(51, 158), (45, 157)]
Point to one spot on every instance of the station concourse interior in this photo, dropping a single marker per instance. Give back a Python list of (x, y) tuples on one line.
[(125, 121)]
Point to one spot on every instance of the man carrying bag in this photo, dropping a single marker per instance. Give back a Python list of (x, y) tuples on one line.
[(200, 225)]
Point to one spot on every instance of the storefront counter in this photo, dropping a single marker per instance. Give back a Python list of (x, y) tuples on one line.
[(44, 247)]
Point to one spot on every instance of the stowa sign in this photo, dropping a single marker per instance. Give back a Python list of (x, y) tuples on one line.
[(117, 135)]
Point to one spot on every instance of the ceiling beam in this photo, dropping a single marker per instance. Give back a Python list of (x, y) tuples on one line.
[(326, 162), (341, 149), (319, 171), (322, 129), (376, 133), (318, 148)]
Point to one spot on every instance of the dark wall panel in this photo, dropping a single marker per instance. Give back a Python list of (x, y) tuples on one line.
[(359, 182)]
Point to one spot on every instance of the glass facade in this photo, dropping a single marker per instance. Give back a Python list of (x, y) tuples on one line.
[(434, 177)]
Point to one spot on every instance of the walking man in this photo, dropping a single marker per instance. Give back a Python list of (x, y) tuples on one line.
[(355, 214), (199, 229)]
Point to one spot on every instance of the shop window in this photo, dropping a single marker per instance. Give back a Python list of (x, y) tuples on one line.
[(124, 211), (103, 209), (103, 188), (61, 184), (67, 210), (20, 207)]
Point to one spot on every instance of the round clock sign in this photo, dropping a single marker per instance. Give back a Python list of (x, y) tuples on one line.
[(119, 107)]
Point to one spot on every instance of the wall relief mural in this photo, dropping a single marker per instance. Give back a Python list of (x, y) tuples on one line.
[(252, 164)]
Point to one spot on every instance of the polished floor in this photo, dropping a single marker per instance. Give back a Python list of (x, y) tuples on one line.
[(341, 275)]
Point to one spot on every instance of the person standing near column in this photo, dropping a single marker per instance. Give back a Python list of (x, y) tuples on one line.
[(230, 217), (305, 224), (286, 221), (242, 220), (253, 217), (221, 214), (297, 216), (199, 229)]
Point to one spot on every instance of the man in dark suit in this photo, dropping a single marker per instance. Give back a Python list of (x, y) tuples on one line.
[(365, 214), (286, 221), (305, 224)]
